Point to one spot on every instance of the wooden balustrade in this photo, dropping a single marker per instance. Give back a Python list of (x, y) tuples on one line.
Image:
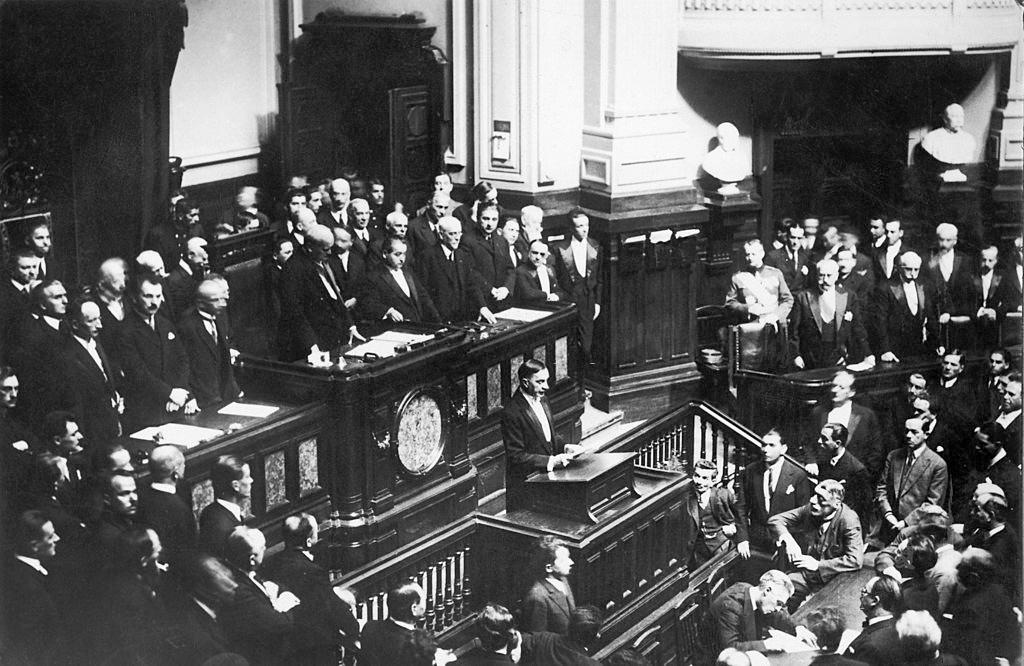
[(443, 568)]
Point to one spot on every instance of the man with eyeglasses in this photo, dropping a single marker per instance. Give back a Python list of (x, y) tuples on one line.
[(878, 643), (743, 614)]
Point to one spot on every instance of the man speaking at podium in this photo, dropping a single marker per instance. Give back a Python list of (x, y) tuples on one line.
[(531, 444)]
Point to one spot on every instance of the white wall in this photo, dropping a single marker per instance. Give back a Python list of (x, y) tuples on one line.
[(223, 95)]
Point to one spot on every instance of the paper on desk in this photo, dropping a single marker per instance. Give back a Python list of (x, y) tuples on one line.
[(399, 338), (788, 642), (247, 409), (177, 433), (381, 348), (521, 314), (857, 367)]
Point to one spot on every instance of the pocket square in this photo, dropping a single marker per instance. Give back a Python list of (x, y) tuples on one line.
[(170, 335), (790, 490), (848, 316)]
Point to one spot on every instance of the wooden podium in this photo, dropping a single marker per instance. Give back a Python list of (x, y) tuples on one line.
[(585, 488)]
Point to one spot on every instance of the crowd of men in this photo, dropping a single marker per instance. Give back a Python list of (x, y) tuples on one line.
[(935, 489), (827, 299)]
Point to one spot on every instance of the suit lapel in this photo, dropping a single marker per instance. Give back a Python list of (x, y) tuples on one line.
[(841, 298), (854, 422), (816, 309), (524, 404), (591, 256), (566, 253), (560, 600)]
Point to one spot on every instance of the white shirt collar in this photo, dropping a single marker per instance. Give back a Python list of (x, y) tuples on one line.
[(34, 563), (996, 530), (184, 266), (837, 458), (405, 625), (164, 488), (880, 618), (206, 609), (559, 585), (1007, 418), (90, 344), (235, 510), (1000, 454), (52, 322)]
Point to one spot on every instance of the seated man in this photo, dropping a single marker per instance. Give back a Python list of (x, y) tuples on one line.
[(877, 644), (827, 324), (742, 614), (822, 540), (573, 649), (711, 515), (382, 639), (393, 291), (535, 280)]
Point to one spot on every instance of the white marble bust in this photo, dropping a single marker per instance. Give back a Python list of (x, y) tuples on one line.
[(950, 144), (726, 163)]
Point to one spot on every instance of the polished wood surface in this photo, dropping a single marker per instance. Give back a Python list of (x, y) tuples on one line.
[(583, 489)]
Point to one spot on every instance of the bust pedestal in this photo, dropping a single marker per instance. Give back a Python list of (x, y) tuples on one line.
[(733, 221)]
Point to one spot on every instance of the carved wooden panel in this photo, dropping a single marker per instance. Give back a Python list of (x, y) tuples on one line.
[(411, 145)]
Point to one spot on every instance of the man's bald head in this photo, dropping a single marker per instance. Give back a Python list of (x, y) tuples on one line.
[(166, 464), (303, 219), (910, 260), (212, 295), (149, 261), (320, 236)]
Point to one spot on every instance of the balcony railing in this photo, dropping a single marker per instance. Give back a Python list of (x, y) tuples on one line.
[(810, 29)]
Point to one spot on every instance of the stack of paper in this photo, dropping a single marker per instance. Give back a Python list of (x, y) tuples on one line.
[(521, 314), (247, 409), (177, 433)]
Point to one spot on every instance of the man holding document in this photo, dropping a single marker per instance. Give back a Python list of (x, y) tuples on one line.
[(528, 430)]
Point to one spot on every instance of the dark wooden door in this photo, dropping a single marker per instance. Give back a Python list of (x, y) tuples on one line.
[(308, 131), (412, 146)]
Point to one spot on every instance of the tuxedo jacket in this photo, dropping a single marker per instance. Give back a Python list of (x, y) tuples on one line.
[(15, 306), (952, 295), (901, 490), (822, 344), (878, 263), (383, 293), (28, 613), (375, 254), (423, 235), (362, 247), (546, 608), (737, 624), (37, 362), (171, 517), (526, 449), (215, 524), (545, 647), (309, 315), (838, 550), (527, 290), (796, 275), (212, 375), (94, 391), (154, 361), (454, 287), (1010, 292), (855, 478), (877, 644), (904, 334), (326, 217), (583, 290), (861, 285), (792, 490), (865, 439), (351, 279)]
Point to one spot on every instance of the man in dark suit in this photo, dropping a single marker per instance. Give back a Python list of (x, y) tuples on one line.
[(835, 462), (29, 615), (15, 300), (793, 260), (109, 291), (571, 649), (394, 292), (423, 228), (535, 279), (382, 640), (337, 213), (528, 431), (313, 314), (958, 400), (162, 508), (822, 540), (886, 259), (992, 464), (549, 603), (120, 514), (39, 241), (183, 279), (853, 281), (878, 643), (518, 247), (259, 621), (912, 475), (711, 515), (206, 334), (232, 483), (322, 614), (865, 439), (453, 284), (989, 388), (985, 304), (1010, 297), (578, 266), (996, 536), (37, 358), (906, 317), (769, 487), (207, 587), (742, 614), (396, 225), (949, 272), (827, 324), (1009, 415), (93, 379), (363, 236), (491, 260), (350, 268), (155, 364)]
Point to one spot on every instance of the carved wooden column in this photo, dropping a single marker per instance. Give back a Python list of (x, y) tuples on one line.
[(1005, 148)]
